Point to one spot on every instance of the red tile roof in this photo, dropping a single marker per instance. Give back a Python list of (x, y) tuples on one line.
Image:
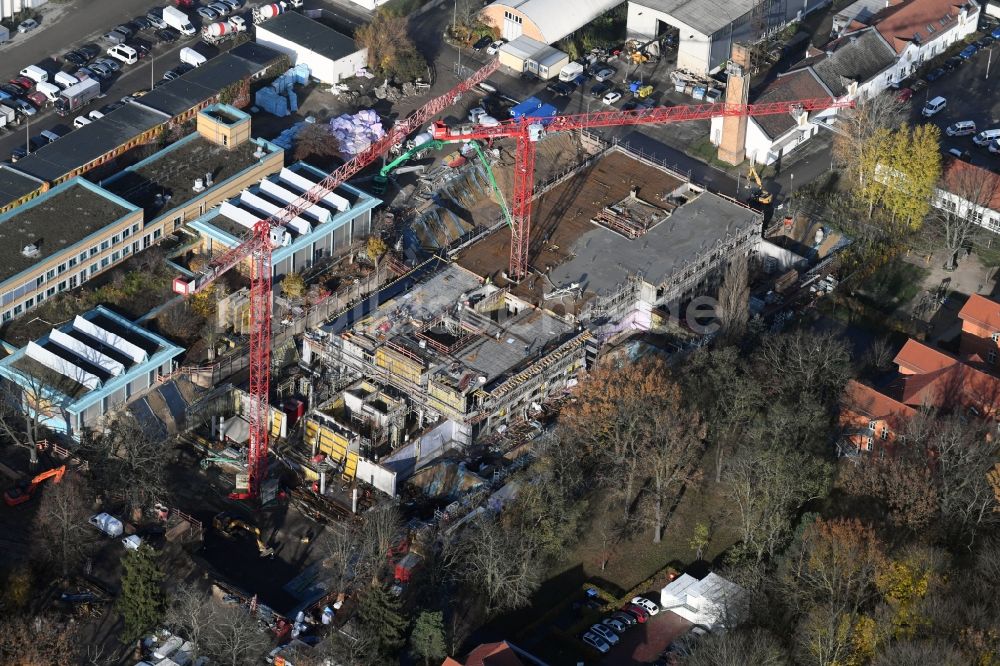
[(909, 21), (981, 311), (974, 184), (866, 401), (494, 654), (920, 359)]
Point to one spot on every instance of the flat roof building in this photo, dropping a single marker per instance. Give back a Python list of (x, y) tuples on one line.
[(76, 230), (81, 371), (330, 55)]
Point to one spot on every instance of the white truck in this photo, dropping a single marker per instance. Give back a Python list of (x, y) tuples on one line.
[(215, 33), (78, 96), (192, 57), (178, 20), (268, 11), (570, 72), (8, 116)]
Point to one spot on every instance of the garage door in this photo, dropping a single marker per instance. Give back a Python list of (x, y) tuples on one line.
[(512, 26)]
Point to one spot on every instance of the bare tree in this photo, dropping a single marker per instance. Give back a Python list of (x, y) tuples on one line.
[(25, 405), (737, 648), (380, 528), (189, 613), (233, 637), (965, 193), (316, 142), (63, 536), (127, 461), (734, 299), (339, 545)]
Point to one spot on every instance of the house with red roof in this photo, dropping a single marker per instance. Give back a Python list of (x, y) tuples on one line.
[(970, 192), (870, 421), (980, 329), (502, 653)]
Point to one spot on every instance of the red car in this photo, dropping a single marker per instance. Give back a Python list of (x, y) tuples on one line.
[(38, 99), (904, 94), (638, 612), (24, 82)]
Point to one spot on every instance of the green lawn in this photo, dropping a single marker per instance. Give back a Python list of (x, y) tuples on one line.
[(893, 286)]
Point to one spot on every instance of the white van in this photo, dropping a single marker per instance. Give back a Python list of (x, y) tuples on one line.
[(125, 53), (35, 73), (192, 57), (108, 524), (65, 79), (986, 136), (961, 128), (50, 90), (934, 106)]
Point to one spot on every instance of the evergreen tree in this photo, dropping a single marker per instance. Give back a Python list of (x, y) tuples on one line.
[(427, 637), (142, 602), (381, 624)]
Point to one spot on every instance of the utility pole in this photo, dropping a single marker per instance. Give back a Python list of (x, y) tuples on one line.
[(152, 68), (989, 59), (27, 134)]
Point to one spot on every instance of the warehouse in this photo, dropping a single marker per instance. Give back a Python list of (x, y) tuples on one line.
[(330, 55), (546, 21), (707, 29), (85, 368)]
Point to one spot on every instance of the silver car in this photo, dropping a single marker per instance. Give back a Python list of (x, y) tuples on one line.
[(605, 633), (604, 74), (596, 642)]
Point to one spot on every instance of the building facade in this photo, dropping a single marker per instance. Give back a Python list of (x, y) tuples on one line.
[(330, 55)]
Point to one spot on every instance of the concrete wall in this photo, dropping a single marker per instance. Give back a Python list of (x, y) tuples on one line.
[(410, 457), (378, 476)]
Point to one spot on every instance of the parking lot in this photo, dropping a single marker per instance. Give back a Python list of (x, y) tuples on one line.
[(970, 91)]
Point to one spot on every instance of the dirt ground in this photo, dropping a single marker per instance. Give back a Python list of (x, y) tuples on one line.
[(562, 214)]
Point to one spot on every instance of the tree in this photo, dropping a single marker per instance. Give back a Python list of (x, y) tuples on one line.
[(956, 221), (427, 637), (64, 537), (293, 286), (615, 416), (673, 455), (734, 299), (902, 167), (737, 648), (142, 602), (391, 52), (381, 624), (767, 488), (904, 484), (861, 126), (376, 247), (38, 641), (315, 142), (379, 530), (700, 539), (127, 461), (804, 363), (233, 636)]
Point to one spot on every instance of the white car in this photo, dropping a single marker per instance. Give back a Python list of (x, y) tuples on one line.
[(995, 146), (605, 633), (95, 115), (596, 642), (80, 121), (27, 26), (493, 48), (646, 604), (132, 542), (612, 97)]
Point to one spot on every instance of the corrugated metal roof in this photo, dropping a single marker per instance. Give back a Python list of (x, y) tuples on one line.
[(523, 47), (310, 34), (705, 16), (556, 18)]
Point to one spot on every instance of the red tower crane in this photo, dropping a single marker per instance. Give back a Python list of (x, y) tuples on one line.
[(527, 131), (258, 244)]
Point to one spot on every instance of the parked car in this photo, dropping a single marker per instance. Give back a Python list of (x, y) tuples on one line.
[(604, 632), (613, 624), (27, 25), (114, 38), (124, 29), (598, 89), (12, 90), (37, 142), (994, 146), (559, 89), (983, 42), (233, 4), (220, 8), (170, 75), (80, 121), (23, 82), (167, 35), (638, 612), (904, 94), (18, 153), (494, 48), (100, 69), (76, 58), (89, 50), (953, 62), (936, 74), (142, 23), (208, 14), (155, 18), (626, 619), (38, 99), (968, 52), (611, 97), (141, 48), (596, 642), (604, 74), (649, 606), (88, 73), (482, 43), (95, 115), (25, 107), (183, 68)]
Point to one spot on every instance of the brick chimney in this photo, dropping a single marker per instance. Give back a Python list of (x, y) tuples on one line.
[(732, 147)]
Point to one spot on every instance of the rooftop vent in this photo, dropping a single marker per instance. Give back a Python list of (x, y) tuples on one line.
[(199, 185), (208, 179), (30, 250), (259, 153)]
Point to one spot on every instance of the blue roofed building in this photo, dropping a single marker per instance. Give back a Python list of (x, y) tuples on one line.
[(325, 229), (71, 378)]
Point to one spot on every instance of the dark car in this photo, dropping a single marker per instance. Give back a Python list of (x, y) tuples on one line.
[(936, 74), (599, 89), (37, 142), (100, 69), (89, 50), (183, 68), (170, 75), (77, 58), (985, 41), (167, 35), (953, 62), (141, 22), (968, 52), (13, 90), (141, 49), (482, 43), (560, 89), (624, 618), (18, 154), (124, 30), (110, 63)]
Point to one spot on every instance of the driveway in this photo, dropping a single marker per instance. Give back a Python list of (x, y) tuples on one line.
[(643, 643)]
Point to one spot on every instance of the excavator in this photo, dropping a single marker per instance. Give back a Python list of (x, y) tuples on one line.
[(228, 524), (23, 492), (758, 195)]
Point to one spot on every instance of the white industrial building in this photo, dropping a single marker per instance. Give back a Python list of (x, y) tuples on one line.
[(525, 54), (547, 21), (711, 602), (330, 55), (9, 8), (707, 29)]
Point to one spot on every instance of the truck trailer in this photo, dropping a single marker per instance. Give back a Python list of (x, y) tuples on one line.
[(78, 96)]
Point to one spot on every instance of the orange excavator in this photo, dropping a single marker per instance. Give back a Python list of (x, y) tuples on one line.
[(23, 492)]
